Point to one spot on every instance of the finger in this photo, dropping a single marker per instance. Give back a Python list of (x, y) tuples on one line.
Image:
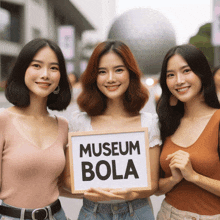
[(176, 166), (101, 197), (177, 161), (120, 191), (101, 191), (177, 153), (98, 189)]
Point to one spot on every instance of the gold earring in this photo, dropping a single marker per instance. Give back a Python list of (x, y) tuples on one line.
[(173, 100)]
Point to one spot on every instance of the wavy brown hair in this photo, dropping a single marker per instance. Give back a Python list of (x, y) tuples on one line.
[(92, 100)]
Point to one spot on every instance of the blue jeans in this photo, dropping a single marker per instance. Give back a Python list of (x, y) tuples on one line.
[(138, 209), (60, 215)]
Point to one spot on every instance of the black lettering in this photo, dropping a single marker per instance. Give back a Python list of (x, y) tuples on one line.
[(114, 148), (85, 150), (100, 150), (115, 176), (87, 170), (120, 149), (131, 170), (136, 146), (107, 149), (108, 173)]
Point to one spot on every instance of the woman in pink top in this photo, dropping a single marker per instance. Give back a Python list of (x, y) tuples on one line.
[(32, 141), (189, 116)]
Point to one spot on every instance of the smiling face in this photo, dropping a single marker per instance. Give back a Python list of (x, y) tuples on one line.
[(42, 75), (113, 76), (182, 82)]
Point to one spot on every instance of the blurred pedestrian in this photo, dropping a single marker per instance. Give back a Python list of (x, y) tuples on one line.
[(33, 141), (76, 85), (189, 116)]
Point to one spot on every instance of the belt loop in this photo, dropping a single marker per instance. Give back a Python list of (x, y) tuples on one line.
[(95, 207), (170, 213), (22, 214), (50, 215), (130, 209)]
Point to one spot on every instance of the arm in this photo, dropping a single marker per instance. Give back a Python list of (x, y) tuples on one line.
[(65, 180), (181, 160), (166, 184)]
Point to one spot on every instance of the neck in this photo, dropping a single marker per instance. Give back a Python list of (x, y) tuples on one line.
[(196, 108), (116, 108), (37, 107)]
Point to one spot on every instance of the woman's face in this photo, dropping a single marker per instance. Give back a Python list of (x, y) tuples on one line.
[(217, 79), (113, 77), (43, 74), (182, 82)]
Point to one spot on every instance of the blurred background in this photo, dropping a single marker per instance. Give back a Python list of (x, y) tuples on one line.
[(149, 28)]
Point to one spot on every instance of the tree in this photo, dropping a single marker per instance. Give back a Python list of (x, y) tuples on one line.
[(202, 40)]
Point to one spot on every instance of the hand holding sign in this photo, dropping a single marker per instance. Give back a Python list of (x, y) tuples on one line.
[(101, 194)]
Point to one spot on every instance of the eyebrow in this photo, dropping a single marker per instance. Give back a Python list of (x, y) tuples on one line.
[(180, 68), (114, 67), (39, 61)]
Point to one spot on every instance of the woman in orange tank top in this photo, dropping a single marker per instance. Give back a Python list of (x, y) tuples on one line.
[(189, 117)]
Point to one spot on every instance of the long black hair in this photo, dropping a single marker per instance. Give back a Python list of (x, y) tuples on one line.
[(170, 116)]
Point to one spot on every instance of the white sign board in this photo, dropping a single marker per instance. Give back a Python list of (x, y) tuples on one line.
[(112, 159), (216, 23), (66, 41)]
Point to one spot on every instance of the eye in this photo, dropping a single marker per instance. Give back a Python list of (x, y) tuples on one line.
[(36, 65), (170, 75), (119, 70), (55, 68), (101, 72), (187, 70)]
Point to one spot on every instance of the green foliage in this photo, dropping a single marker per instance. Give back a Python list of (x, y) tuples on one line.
[(202, 40)]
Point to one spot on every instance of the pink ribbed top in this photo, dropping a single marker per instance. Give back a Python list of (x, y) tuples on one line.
[(29, 174)]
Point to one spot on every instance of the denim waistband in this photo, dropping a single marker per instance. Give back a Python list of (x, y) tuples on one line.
[(187, 215), (115, 208)]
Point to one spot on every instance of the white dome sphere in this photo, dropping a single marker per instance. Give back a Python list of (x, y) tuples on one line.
[(149, 35)]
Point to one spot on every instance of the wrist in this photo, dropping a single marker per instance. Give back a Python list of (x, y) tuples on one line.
[(195, 178), (174, 181)]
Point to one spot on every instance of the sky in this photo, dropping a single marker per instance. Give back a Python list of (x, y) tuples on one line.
[(186, 16)]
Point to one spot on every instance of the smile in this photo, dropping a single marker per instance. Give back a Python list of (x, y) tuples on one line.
[(43, 84), (112, 88), (182, 90)]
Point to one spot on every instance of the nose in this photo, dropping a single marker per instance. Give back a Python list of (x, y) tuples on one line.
[(180, 78), (45, 73), (111, 76)]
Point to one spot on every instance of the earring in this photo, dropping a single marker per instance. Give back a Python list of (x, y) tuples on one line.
[(57, 90), (173, 100)]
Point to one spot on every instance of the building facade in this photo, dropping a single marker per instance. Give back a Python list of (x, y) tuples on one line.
[(24, 20)]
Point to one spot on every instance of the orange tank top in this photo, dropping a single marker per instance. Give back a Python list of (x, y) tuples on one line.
[(205, 160)]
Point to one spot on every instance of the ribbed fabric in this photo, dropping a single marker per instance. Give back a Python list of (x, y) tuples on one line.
[(204, 157)]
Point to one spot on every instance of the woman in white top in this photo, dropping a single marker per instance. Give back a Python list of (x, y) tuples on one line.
[(112, 96)]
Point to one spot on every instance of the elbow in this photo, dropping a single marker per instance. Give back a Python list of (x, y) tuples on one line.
[(154, 187), (159, 191)]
